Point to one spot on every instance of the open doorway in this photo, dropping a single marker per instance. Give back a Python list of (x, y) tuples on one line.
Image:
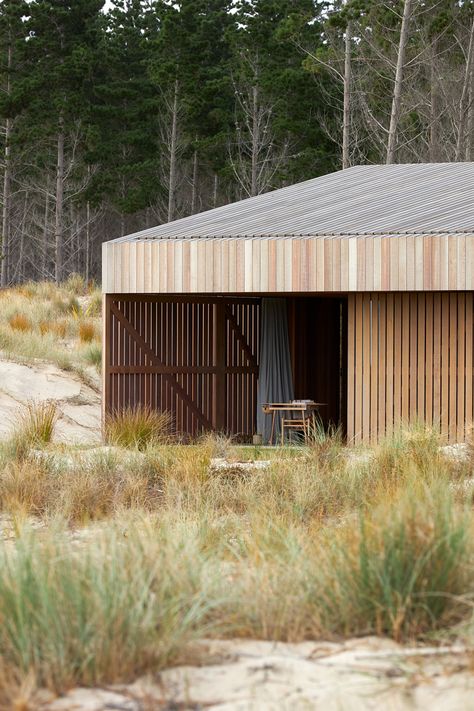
[(318, 346)]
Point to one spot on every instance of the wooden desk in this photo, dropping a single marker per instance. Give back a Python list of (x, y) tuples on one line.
[(294, 406)]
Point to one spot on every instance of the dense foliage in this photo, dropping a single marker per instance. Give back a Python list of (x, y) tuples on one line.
[(118, 116)]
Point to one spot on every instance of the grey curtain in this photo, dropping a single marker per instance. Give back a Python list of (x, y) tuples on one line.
[(275, 381)]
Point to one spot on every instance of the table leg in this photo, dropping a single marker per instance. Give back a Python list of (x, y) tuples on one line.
[(273, 427)]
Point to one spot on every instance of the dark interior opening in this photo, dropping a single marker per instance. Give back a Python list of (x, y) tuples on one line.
[(318, 344)]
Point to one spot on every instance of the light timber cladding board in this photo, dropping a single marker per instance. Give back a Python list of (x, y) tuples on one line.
[(290, 264), (410, 359)]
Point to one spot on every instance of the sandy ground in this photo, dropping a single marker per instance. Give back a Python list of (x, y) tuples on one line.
[(248, 675)]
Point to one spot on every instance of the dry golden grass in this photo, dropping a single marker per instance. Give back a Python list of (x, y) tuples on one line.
[(20, 322), (55, 324), (138, 427), (35, 427), (87, 332), (57, 328)]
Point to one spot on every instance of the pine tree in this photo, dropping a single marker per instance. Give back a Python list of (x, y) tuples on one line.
[(63, 40), (12, 41), (125, 143), (191, 69)]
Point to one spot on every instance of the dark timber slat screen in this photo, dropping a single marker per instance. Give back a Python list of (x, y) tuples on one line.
[(196, 358)]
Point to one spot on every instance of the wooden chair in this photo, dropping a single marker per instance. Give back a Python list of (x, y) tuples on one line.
[(302, 424)]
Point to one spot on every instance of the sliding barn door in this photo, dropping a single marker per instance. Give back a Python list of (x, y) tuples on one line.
[(197, 359), (410, 359)]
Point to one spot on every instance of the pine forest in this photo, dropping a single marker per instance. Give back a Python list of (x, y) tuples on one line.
[(118, 116)]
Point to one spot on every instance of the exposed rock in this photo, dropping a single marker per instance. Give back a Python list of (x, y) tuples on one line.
[(78, 403), (456, 451), (228, 467)]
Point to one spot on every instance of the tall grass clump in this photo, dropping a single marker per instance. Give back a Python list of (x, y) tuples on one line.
[(101, 612), (93, 355), (35, 427), (20, 322), (80, 489), (138, 427), (94, 305), (400, 571), (87, 332), (75, 284)]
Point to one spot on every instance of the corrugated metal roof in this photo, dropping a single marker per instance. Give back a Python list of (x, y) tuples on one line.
[(371, 199)]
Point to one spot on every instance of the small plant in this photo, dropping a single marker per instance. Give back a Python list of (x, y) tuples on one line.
[(138, 427), (35, 427), (57, 328), (94, 307), (218, 444), (75, 284), (93, 355), (69, 305), (20, 322), (87, 332)]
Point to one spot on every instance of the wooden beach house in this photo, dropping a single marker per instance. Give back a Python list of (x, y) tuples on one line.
[(356, 289)]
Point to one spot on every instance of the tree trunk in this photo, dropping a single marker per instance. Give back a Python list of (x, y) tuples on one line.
[(255, 143), (6, 207), (19, 273), (214, 191), (44, 257), (463, 103), (173, 157), (346, 126), (435, 109), (397, 89), (470, 120), (5, 244), (88, 242), (59, 208), (194, 184)]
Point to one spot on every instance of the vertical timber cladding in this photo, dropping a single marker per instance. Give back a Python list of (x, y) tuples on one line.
[(196, 358), (410, 359)]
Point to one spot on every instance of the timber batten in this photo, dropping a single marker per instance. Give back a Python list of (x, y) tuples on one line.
[(410, 360), (291, 264)]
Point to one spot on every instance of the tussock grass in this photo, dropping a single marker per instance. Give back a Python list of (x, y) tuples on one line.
[(20, 322), (401, 571), (138, 427), (93, 355), (35, 427), (80, 490), (108, 609), (87, 332)]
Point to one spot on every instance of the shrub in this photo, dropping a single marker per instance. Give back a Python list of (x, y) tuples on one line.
[(138, 427), (20, 322), (86, 332)]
